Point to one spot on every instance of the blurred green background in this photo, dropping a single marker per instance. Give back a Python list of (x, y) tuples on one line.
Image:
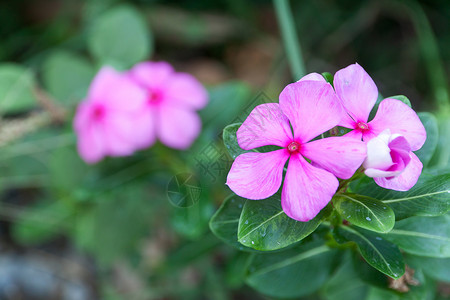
[(122, 229)]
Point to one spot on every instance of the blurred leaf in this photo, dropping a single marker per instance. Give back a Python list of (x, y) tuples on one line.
[(192, 221), (437, 268), (16, 89), (423, 236), (67, 76), (264, 226), (236, 268), (376, 293), (120, 37), (429, 197), (379, 253), (402, 98), (226, 101), (365, 212), (224, 223), (429, 121), (230, 140), (441, 157), (293, 273)]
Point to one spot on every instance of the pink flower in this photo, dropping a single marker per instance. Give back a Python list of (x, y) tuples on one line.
[(311, 108), (169, 112), (358, 94), (105, 120), (388, 155)]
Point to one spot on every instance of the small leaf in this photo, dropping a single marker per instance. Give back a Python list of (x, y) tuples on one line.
[(430, 123), (402, 98), (423, 236), (264, 226), (292, 273), (365, 212), (224, 223), (379, 253), (120, 37), (429, 197), (16, 89), (328, 77), (67, 76)]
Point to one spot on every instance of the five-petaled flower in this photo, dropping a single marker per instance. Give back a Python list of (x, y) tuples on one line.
[(358, 94), (311, 108)]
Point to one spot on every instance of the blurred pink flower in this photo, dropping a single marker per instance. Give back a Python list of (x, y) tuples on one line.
[(388, 156), (105, 122), (311, 108), (169, 112), (358, 94)]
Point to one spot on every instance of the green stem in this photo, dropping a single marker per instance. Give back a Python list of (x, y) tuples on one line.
[(290, 38)]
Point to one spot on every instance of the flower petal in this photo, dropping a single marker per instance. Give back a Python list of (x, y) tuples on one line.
[(90, 144), (306, 189), (144, 124), (266, 125), (354, 134), (312, 77), (341, 156), (257, 175), (400, 119), (378, 153), (356, 90), (406, 180), (151, 75), (312, 108), (177, 127), (185, 90)]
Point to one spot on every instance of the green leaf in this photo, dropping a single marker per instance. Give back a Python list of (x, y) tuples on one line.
[(437, 268), (16, 89), (224, 223), (293, 273), (423, 236), (402, 98), (264, 226), (379, 253), (365, 212), (120, 37), (429, 197), (328, 77), (230, 140), (67, 76), (430, 123)]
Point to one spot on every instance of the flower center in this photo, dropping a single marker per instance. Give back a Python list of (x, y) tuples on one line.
[(154, 97), (362, 126), (293, 147), (98, 112)]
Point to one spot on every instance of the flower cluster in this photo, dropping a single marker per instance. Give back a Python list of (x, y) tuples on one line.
[(309, 108), (126, 112)]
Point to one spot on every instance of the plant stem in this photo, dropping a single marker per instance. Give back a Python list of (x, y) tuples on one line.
[(290, 38)]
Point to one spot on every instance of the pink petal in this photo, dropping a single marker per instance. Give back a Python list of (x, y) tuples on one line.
[(152, 75), (354, 134), (184, 89), (266, 125), (306, 189), (312, 77), (106, 78), (406, 180), (356, 90), (400, 119), (257, 175), (90, 144), (341, 156), (312, 108), (177, 127), (144, 134), (118, 134), (347, 121)]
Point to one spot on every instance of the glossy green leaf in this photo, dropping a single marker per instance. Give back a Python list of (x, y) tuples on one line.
[(430, 123), (293, 273), (429, 197), (264, 226), (437, 268), (328, 77), (16, 89), (78, 73), (423, 236), (365, 212), (224, 223), (378, 252), (120, 37)]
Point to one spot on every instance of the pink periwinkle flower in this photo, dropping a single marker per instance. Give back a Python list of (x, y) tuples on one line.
[(105, 121), (388, 155), (172, 98), (311, 108), (358, 94)]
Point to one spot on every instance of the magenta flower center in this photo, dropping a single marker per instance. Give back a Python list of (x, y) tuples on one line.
[(293, 147), (154, 97), (362, 126), (98, 112)]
